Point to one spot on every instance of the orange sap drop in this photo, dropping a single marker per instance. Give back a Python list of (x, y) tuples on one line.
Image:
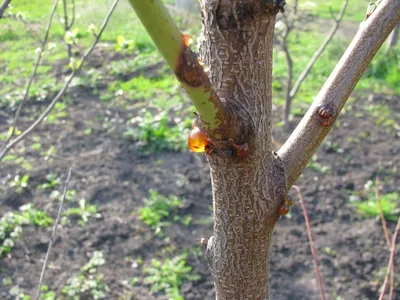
[(284, 209), (187, 39), (197, 140)]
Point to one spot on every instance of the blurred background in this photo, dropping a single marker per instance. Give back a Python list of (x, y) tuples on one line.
[(138, 200)]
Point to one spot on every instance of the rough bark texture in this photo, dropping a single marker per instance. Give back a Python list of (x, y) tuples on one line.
[(236, 46)]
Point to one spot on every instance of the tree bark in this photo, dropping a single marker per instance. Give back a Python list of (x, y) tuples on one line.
[(236, 47)]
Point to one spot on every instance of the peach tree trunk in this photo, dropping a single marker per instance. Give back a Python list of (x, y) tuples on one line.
[(231, 90), (236, 47)]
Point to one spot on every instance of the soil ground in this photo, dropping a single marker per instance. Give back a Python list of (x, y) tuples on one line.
[(110, 172)]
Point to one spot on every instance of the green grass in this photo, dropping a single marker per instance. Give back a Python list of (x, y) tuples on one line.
[(83, 212), (159, 88), (302, 45), (158, 210), (168, 276), (155, 132), (89, 283), (380, 77), (355, 9), (390, 204), (11, 225)]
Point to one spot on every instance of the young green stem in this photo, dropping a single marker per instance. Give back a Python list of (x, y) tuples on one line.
[(172, 45)]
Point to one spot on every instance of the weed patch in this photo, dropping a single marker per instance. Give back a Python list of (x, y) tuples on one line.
[(12, 222)]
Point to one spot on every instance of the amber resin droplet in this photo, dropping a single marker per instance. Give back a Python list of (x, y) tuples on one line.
[(284, 209), (187, 39), (197, 140)]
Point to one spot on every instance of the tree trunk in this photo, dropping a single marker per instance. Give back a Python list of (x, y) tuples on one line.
[(236, 47)]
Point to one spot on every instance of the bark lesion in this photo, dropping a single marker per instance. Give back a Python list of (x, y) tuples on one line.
[(232, 15)]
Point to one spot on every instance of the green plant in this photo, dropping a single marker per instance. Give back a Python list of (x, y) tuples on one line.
[(89, 282), (154, 133), (21, 161), (19, 183), (69, 196), (385, 68), (18, 293), (12, 222), (46, 293), (167, 276), (52, 181), (369, 207), (157, 209), (84, 212)]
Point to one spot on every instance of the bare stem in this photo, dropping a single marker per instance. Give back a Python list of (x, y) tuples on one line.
[(312, 246), (73, 14), (391, 263), (67, 27), (62, 91), (53, 234), (289, 62), (39, 58), (316, 124), (3, 7), (290, 21), (319, 51), (378, 200)]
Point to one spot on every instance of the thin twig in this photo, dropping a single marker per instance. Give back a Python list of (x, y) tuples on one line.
[(67, 27), (378, 200), (53, 234), (385, 231), (289, 62), (3, 7), (290, 23), (312, 246), (391, 290), (29, 130), (319, 51), (391, 263), (297, 151), (39, 58), (73, 14)]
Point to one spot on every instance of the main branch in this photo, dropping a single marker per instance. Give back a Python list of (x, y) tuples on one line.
[(174, 48), (315, 125)]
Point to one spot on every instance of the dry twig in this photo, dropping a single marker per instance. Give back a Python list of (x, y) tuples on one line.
[(53, 234), (390, 267), (39, 58), (319, 51), (378, 199), (312, 246), (291, 91)]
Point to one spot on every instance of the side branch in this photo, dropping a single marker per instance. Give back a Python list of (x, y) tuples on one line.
[(317, 122), (174, 48)]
